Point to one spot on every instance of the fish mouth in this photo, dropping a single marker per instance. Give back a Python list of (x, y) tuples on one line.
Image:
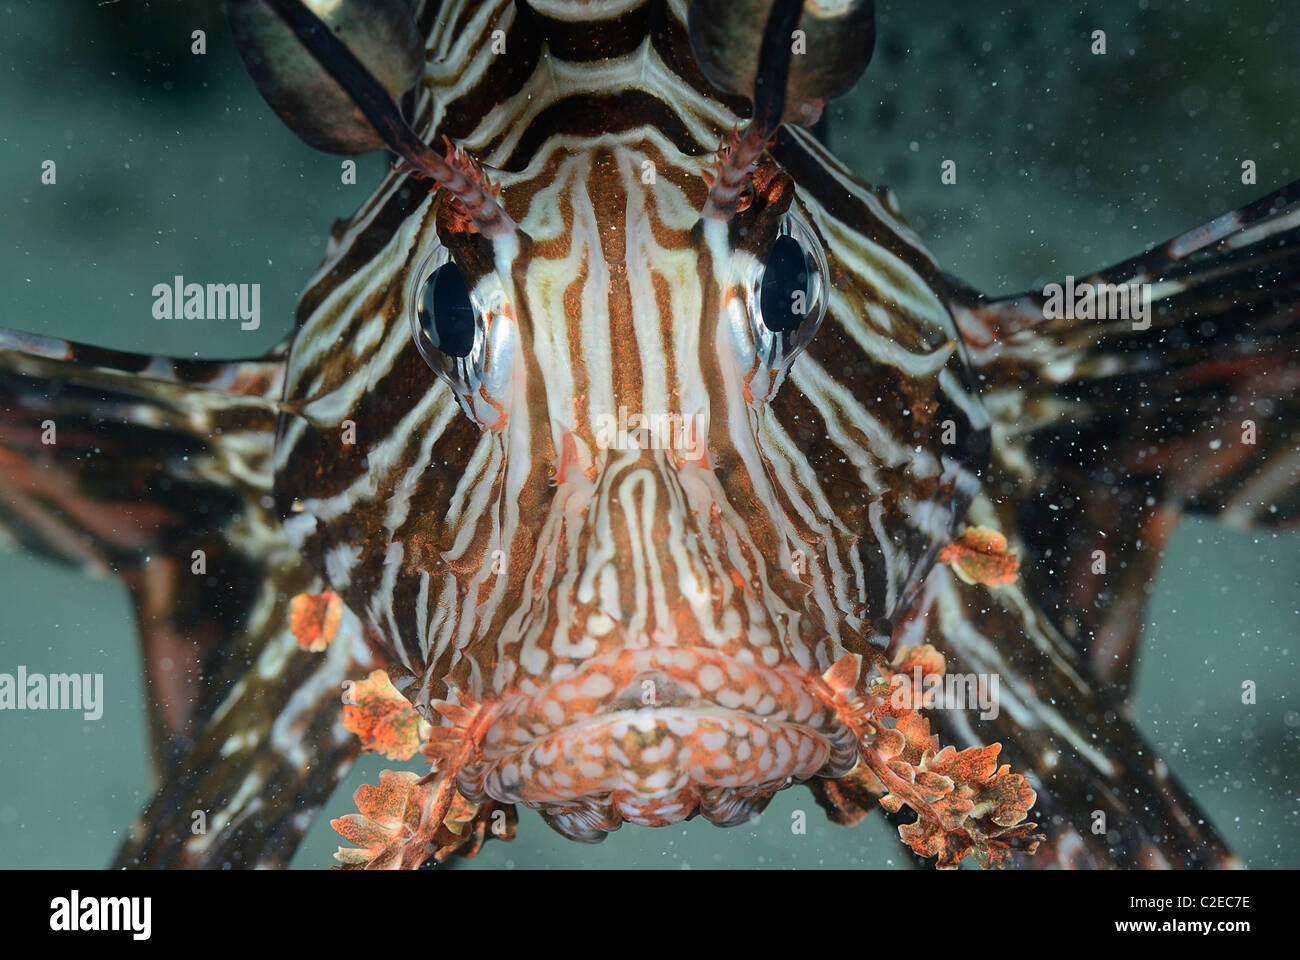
[(655, 736)]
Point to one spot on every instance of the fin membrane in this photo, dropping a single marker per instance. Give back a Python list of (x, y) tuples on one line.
[(158, 471), (1107, 429), (1105, 798)]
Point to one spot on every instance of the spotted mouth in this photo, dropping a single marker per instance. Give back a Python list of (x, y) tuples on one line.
[(656, 736)]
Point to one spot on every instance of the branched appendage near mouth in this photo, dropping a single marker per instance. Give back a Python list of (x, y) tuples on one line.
[(407, 819), (964, 801)]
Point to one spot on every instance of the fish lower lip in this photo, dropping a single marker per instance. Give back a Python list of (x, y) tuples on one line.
[(654, 736)]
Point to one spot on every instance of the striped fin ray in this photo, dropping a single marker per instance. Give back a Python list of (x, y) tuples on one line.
[(1081, 751), (152, 460), (267, 758), (148, 469), (1115, 431)]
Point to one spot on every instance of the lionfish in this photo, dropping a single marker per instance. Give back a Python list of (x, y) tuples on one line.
[(635, 478)]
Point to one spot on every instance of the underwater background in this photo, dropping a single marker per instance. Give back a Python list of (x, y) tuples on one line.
[(170, 163)]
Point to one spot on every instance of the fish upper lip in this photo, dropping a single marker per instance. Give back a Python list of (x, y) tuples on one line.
[(684, 677), (585, 719)]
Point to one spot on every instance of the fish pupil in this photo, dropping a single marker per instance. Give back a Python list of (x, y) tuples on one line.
[(783, 294), (446, 313)]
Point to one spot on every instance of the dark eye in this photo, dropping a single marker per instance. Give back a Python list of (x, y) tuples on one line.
[(784, 298), (790, 293), (445, 314)]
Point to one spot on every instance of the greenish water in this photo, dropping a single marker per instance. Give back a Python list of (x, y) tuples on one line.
[(170, 164)]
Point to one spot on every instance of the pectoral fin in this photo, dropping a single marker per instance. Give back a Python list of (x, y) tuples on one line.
[(1107, 428), (152, 470)]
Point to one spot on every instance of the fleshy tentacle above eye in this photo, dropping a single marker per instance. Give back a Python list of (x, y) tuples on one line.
[(780, 88), (464, 181)]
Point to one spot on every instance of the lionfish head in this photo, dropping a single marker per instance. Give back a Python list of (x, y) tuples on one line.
[(618, 476), (650, 590)]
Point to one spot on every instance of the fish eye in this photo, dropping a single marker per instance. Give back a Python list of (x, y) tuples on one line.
[(445, 318), (791, 291), (456, 327), (783, 293)]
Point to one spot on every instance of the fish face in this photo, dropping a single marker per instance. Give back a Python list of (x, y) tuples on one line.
[(632, 479)]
